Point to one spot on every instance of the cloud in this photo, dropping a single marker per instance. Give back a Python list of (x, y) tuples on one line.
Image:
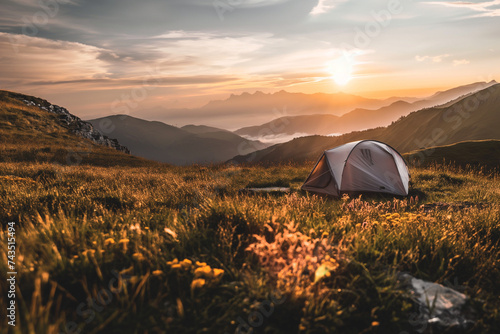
[(439, 59), (151, 80), (27, 59), (458, 62), (277, 138), (256, 3), (325, 6), (486, 8), (239, 3), (434, 59)]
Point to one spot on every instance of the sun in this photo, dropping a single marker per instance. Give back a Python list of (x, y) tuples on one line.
[(341, 70)]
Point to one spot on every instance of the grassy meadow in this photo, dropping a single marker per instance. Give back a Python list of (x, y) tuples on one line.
[(166, 249)]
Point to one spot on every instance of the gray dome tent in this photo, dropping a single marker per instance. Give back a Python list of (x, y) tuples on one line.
[(365, 165)]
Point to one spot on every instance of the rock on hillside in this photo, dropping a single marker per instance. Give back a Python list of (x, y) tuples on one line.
[(76, 125)]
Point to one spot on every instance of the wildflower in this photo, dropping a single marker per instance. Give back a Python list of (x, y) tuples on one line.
[(124, 241), (109, 241), (375, 323), (218, 273), (325, 269), (170, 263), (325, 235), (197, 283), (205, 271), (176, 266), (135, 227), (200, 264), (186, 264), (157, 273)]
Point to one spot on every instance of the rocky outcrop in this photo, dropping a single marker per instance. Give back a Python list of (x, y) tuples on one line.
[(440, 308), (77, 126)]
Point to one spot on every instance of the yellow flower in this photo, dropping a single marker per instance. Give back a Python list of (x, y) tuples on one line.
[(175, 261), (124, 241), (325, 235), (325, 269), (109, 241), (205, 271), (186, 264), (375, 323), (176, 266), (218, 273), (200, 264), (157, 273), (197, 283)]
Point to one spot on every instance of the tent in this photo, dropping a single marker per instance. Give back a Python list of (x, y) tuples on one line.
[(360, 166)]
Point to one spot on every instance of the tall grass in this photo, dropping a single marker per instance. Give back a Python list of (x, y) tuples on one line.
[(182, 250)]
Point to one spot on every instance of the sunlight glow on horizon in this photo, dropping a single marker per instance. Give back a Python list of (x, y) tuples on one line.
[(341, 70)]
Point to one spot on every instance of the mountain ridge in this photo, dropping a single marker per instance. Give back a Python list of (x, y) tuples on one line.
[(475, 117), (258, 108), (34, 130), (75, 124), (162, 142), (360, 118)]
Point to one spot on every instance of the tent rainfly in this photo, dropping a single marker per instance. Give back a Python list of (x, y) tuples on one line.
[(360, 166)]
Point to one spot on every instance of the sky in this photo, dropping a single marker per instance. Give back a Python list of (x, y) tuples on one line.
[(94, 57)]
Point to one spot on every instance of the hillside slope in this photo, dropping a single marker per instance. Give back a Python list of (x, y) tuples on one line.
[(467, 153), (34, 130), (165, 143), (476, 117)]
